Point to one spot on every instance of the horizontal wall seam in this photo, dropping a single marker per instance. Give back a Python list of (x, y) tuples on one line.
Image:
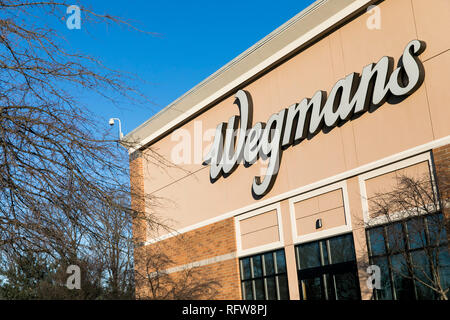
[(196, 264), (318, 212), (426, 147), (436, 55), (179, 179), (250, 232)]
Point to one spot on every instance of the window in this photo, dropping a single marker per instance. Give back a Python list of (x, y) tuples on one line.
[(327, 269), (407, 253), (264, 277)]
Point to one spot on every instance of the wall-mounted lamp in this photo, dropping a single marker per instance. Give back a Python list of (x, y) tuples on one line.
[(111, 123), (318, 223)]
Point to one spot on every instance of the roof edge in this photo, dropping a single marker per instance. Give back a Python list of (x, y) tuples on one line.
[(334, 12)]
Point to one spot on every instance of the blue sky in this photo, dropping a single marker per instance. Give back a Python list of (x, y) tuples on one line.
[(196, 38)]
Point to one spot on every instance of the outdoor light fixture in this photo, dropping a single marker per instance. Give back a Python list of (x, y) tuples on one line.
[(111, 123), (318, 223)]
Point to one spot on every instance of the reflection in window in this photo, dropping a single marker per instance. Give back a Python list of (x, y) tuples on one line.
[(385, 292), (310, 253), (404, 287), (327, 269), (341, 249), (423, 273), (263, 276), (407, 252), (344, 283), (377, 236)]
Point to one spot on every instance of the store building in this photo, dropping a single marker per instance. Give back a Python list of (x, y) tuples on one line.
[(354, 96)]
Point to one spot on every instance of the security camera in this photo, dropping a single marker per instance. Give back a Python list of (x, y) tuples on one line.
[(111, 123)]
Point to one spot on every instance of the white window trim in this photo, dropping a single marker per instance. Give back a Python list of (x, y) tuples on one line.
[(266, 247), (370, 222), (342, 185)]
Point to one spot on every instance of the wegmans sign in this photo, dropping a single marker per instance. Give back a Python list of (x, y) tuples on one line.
[(237, 141)]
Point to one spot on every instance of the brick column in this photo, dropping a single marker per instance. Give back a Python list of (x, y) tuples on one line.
[(138, 197), (441, 159)]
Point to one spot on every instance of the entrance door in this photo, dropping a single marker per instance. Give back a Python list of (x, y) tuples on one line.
[(327, 269)]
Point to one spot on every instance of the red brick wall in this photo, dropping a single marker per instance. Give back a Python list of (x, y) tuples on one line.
[(441, 158), (203, 243), (211, 241), (138, 197)]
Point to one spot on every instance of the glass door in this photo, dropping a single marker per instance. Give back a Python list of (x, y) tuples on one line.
[(327, 269)]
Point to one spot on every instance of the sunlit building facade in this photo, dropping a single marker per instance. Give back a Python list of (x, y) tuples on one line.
[(267, 172)]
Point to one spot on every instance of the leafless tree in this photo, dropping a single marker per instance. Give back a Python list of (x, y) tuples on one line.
[(415, 213), (156, 281), (64, 182)]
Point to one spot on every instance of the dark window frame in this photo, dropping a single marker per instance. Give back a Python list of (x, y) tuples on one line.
[(264, 276), (406, 250), (326, 269)]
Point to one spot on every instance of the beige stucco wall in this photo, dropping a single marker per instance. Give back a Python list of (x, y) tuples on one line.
[(259, 230), (185, 193), (329, 207), (382, 184)]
